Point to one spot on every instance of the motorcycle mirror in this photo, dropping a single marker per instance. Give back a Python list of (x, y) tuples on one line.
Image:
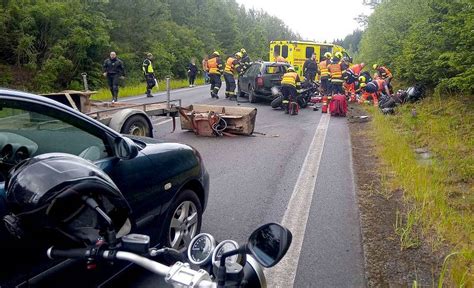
[(269, 243)]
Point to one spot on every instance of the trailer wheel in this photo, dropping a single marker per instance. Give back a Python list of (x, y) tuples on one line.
[(136, 125)]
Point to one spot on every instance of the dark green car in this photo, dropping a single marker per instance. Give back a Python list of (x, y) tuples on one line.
[(258, 80), (166, 184)]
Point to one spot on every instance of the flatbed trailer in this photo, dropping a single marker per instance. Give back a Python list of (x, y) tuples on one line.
[(123, 117)]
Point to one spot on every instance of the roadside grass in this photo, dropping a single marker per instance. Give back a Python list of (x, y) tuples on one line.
[(439, 192), (140, 88)]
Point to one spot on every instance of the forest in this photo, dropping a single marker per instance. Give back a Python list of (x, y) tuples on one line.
[(421, 41), (47, 44)]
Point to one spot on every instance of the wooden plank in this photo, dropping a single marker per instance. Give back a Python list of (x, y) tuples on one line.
[(69, 98)]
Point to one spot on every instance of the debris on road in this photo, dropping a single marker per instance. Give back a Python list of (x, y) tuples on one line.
[(212, 120)]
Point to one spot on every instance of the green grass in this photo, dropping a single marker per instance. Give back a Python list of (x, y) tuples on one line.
[(139, 89), (439, 194)]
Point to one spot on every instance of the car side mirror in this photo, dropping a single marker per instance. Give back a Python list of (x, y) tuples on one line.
[(125, 148), (269, 243)]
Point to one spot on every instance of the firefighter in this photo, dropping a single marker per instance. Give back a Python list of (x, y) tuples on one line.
[(324, 73), (149, 74), (113, 69), (232, 66), (245, 61), (352, 76), (374, 89), (289, 83), (215, 71), (335, 72), (310, 68), (385, 74), (279, 58)]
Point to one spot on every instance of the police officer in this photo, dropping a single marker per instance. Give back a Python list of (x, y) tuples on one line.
[(149, 74), (215, 71), (113, 69)]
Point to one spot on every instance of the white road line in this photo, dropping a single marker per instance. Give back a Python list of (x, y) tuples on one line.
[(297, 212)]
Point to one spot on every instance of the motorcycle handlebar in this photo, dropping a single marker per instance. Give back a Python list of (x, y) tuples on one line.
[(179, 273)]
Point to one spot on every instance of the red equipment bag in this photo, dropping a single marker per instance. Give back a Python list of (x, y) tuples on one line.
[(338, 105)]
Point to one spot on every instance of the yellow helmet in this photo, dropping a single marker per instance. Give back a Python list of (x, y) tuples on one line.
[(328, 55), (362, 79), (362, 85), (375, 66), (338, 55), (243, 51), (216, 53), (290, 69), (239, 54)]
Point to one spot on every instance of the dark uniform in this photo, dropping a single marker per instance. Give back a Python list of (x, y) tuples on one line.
[(310, 69), (232, 66), (149, 74), (114, 69), (215, 70), (192, 73)]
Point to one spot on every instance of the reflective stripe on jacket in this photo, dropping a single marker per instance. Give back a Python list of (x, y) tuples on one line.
[(323, 67), (384, 72), (290, 78), (215, 65), (335, 71), (231, 66)]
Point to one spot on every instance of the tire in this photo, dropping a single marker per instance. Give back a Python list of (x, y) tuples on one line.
[(252, 96), (179, 230), (137, 125), (276, 103), (302, 102)]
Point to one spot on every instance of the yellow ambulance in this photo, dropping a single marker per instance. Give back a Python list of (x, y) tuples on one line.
[(296, 52)]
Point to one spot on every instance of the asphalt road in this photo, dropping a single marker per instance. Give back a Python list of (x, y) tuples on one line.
[(253, 179)]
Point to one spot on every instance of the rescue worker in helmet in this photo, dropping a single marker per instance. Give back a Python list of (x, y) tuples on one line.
[(232, 66), (214, 65), (324, 73), (373, 89), (289, 83), (310, 68), (245, 60), (352, 76), (335, 72), (385, 74)]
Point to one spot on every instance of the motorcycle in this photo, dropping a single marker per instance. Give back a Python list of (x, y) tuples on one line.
[(224, 264), (308, 90)]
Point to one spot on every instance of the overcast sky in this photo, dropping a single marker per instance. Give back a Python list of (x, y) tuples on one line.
[(305, 17)]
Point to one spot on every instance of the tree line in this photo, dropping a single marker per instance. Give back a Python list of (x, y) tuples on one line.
[(422, 41), (47, 44)]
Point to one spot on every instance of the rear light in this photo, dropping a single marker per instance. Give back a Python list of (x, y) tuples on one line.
[(259, 81)]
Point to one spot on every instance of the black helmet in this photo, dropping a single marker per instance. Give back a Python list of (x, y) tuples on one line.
[(46, 195)]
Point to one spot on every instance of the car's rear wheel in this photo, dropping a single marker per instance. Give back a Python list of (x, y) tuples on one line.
[(252, 96), (184, 220)]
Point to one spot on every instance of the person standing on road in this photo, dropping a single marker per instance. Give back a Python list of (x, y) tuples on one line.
[(205, 69), (232, 66), (192, 72), (324, 74), (289, 83), (113, 69), (310, 68), (149, 74), (215, 71), (335, 72), (245, 62)]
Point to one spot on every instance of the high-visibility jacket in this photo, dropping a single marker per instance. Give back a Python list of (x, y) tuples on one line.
[(147, 67), (215, 65), (291, 79), (356, 69), (384, 72), (335, 70), (375, 86), (231, 66), (323, 68)]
